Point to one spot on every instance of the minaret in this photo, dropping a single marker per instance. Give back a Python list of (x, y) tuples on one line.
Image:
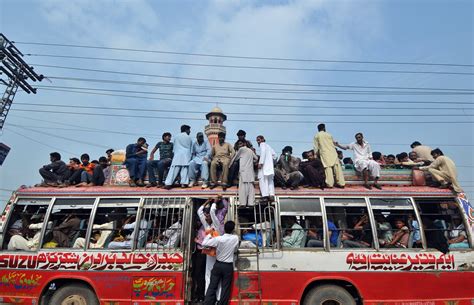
[(216, 119)]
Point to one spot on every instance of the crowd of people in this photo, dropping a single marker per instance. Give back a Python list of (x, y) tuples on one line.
[(185, 161)]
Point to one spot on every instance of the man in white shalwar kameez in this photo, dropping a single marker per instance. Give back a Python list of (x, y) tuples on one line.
[(182, 146), (266, 169), (246, 157), (363, 162)]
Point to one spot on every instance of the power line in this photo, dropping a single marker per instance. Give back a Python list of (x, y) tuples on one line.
[(273, 104), (246, 57), (39, 142), (246, 67), (242, 120), (261, 90), (240, 81), (241, 113), (251, 97)]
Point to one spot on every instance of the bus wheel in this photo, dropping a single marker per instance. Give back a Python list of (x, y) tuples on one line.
[(74, 295), (329, 295)]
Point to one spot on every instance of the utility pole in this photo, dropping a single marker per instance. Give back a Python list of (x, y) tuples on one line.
[(17, 72)]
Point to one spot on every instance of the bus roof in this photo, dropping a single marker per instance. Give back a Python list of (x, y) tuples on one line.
[(353, 190)]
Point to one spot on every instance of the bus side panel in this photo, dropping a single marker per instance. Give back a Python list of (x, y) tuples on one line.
[(374, 287), (25, 286)]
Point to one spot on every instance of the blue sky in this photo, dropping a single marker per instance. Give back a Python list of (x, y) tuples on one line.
[(401, 31)]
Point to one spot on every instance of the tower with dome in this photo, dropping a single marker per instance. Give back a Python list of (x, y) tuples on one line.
[(216, 120)]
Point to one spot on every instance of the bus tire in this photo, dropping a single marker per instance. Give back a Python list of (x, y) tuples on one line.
[(329, 294), (74, 294)]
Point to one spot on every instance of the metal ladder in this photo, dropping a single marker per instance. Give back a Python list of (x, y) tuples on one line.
[(250, 281)]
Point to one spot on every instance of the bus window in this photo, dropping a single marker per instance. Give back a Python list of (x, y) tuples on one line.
[(108, 221), (301, 223), (350, 222), (443, 224), (69, 219), (24, 226), (164, 218), (396, 223), (256, 226)]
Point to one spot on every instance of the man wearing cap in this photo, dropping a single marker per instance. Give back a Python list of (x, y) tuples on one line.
[(181, 156), (201, 157), (234, 167), (266, 171), (287, 172)]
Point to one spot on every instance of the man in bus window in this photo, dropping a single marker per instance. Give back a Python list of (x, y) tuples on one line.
[(181, 156), (245, 157), (360, 236), (130, 225), (165, 148), (443, 170), (170, 237), (325, 149), (457, 236), (54, 173), (201, 159), (266, 171), (222, 153), (287, 172), (384, 229), (401, 236), (135, 161), (99, 236), (65, 232), (23, 241), (295, 235), (363, 160), (435, 237)]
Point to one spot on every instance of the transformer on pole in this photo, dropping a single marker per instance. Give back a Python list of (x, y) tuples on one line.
[(17, 72)]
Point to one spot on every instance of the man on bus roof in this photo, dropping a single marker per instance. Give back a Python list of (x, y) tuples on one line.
[(443, 170), (54, 173)]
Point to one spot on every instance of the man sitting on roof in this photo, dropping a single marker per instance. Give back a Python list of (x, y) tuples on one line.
[(363, 160), (287, 172), (313, 170), (55, 172), (135, 161), (443, 170)]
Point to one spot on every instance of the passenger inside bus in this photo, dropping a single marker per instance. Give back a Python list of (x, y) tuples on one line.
[(457, 234), (100, 235), (401, 236), (25, 232), (384, 229), (65, 233), (127, 233), (168, 239), (360, 236), (294, 235)]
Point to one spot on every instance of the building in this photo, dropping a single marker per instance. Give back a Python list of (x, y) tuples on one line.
[(216, 120)]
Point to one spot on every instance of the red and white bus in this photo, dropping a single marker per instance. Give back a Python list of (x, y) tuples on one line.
[(269, 270)]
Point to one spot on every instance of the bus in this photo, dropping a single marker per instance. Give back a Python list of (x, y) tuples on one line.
[(344, 253)]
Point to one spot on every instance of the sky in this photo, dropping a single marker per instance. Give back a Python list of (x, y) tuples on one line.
[(283, 100)]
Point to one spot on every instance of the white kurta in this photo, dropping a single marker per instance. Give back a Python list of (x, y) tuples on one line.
[(363, 158), (266, 173)]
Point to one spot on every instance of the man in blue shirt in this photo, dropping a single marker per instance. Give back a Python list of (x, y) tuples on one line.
[(181, 156), (135, 161), (201, 158)]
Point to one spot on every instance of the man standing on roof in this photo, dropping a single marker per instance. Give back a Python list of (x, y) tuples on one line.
[(234, 166), (245, 157), (443, 170), (181, 156), (423, 152), (363, 160), (266, 170), (324, 147)]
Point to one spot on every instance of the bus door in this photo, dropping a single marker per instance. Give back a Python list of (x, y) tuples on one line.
[(163, 278)]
